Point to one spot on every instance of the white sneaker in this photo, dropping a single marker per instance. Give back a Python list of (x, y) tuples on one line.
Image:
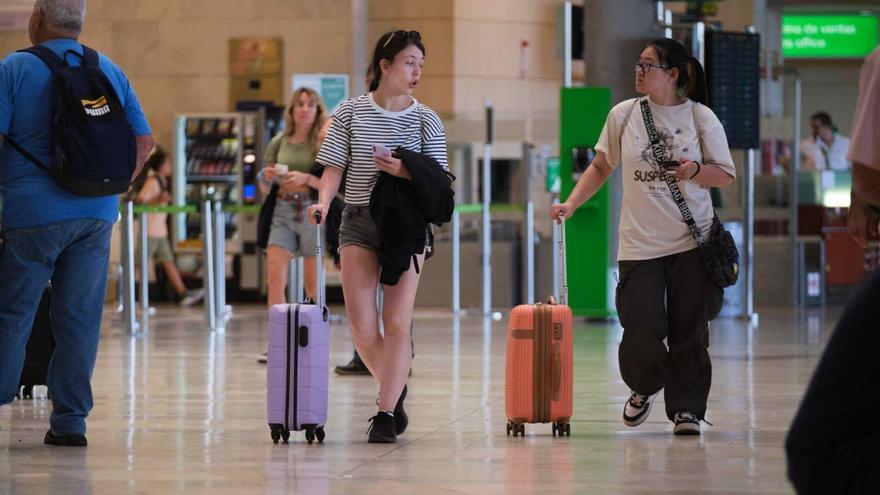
[(686, 423), (263, 358), (192, 297), (637, 409)]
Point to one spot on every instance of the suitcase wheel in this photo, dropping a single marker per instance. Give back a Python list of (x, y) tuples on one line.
[(310, 434), (516, 428), (277, 432), (562, 429), (285, 435), (27, 392), (320, 433)]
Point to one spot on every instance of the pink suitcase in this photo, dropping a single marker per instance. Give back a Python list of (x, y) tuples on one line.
[(298, 366)]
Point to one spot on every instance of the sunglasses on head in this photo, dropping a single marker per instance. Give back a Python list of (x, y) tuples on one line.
[(412, 35)]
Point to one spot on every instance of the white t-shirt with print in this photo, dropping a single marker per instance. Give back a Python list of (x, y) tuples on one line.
[(651, 226)]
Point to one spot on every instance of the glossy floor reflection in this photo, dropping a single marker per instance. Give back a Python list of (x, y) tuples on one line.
[(179, 409)]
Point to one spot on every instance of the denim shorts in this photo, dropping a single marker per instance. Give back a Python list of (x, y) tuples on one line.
[(292, 231), (357, 228)]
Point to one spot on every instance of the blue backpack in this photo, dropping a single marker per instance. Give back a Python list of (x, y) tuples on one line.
[(94, 152)]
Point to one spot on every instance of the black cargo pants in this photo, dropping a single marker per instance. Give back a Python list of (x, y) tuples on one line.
[(668, 298)]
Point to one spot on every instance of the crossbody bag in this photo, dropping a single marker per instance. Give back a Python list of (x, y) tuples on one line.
[(720, 256)]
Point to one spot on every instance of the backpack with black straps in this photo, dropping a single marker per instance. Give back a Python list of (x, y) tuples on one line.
[(94, 152)]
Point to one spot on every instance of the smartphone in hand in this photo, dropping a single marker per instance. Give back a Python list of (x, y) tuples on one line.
[(669, 164), (380, 151)]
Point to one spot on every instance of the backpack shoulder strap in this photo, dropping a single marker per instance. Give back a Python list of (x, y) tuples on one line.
[(48, 57), (90, 56), (698, 129), (31, 158)]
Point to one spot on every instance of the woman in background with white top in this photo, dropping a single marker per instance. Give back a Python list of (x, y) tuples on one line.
[(664, 291), (155, 192)]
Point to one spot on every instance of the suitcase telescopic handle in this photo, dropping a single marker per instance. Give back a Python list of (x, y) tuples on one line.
[(319, 263), (560, 252)]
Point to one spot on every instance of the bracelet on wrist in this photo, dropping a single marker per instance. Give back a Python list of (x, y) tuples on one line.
[(698, 170)]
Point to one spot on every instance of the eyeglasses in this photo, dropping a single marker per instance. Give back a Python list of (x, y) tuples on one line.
[(412, 35), (645, 67)]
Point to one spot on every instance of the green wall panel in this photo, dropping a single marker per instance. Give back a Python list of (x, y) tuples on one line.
[(588, 237)]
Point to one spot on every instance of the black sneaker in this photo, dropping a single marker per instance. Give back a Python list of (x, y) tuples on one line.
[(637, 409), (400, 419), (354, 367), (686, 423), (68, 441), (382, 428)]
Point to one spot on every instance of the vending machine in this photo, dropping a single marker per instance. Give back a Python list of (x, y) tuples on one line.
[(217, 157)]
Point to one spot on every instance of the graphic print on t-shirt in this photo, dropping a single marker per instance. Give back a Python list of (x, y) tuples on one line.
[(651, 226), (650, 178)]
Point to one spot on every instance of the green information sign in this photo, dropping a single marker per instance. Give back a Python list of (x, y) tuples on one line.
[(553, 183), (333, 88), (828, 36)]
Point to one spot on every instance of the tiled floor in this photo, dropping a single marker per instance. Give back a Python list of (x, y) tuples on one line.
[(179, 409)]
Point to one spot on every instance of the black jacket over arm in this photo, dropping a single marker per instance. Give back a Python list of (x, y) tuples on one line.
[(402, 211)]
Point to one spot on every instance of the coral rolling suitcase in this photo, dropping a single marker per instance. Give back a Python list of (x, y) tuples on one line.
[(539, 371), (298, 366)]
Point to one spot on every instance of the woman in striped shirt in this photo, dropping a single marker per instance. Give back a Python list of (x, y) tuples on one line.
[(362, 132)]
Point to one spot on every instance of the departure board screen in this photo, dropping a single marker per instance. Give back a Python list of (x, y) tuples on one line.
[(732, 65)]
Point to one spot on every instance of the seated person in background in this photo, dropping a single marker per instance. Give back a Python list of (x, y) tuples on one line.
[(155, 192), (826, 149)]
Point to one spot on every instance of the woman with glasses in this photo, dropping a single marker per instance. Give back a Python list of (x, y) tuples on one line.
[(663, 291), (364, 131)]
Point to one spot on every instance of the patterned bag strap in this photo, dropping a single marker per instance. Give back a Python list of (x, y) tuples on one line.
[(659, 154)]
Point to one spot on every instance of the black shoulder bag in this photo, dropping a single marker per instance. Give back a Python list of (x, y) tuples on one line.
[(264, 221), (719, 252)]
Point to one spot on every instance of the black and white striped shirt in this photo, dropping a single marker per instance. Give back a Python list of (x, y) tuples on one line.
[(359, 123)]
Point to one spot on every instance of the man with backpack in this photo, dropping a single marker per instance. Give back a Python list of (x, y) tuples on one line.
[(72, 136)]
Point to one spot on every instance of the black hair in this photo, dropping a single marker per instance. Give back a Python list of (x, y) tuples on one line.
[(691, 77), (823, 118), (388, 46)]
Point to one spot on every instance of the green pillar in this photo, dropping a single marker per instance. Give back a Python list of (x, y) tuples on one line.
[(588, 233)]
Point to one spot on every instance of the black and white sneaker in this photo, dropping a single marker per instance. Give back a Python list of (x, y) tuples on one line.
[(637, 409), (400, 418), (686, 423), (382, 429)]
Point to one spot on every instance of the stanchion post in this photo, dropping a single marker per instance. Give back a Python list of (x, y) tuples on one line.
[(456, 261), (301, 277), (145, 261), (208, 265), (749, 235), (487, 218), (220, 264), (129, 308), (292, 291)]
